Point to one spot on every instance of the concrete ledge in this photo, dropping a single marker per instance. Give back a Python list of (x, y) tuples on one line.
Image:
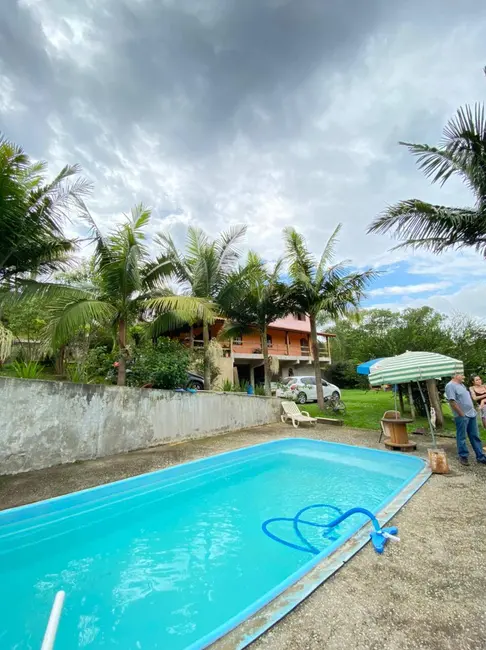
[(46, 423), (332, 421)]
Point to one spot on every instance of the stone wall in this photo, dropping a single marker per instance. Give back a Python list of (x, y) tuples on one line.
[(46, 423)]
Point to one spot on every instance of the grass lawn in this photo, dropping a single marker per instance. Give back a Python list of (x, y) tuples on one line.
[(364, 409)]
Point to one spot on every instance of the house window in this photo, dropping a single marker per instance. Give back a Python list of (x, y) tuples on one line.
[(269, 340), (300, 316), (304, 346), (238, 340)]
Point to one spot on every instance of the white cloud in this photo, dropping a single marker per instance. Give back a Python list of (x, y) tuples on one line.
[(321, 151), (469, 299), (405, 290), (8, 101)]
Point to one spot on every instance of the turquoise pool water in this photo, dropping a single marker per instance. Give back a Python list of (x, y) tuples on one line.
[(166, 559)]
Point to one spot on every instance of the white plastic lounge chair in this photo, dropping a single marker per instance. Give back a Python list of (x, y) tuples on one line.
[(292, 412)]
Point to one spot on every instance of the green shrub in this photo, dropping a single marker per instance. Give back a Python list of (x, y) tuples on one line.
[(27, 369), (78, 373), (227, 386), (99, 363), (161, 365), (241, 387), (260, 390)]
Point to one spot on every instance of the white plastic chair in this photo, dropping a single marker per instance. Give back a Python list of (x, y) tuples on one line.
[(292, 412)]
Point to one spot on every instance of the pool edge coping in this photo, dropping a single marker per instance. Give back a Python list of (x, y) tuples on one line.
[(271, 613)]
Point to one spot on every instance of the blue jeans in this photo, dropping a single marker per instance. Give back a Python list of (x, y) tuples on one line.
[(470, 426)]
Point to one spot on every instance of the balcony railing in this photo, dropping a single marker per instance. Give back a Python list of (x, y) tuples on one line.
[(277, 349), (274, 349)]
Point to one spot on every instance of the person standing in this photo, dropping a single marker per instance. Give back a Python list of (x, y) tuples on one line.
[(465, 418), (478, 393)]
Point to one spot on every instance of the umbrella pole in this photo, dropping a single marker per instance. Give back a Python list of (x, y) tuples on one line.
[(428, 414)]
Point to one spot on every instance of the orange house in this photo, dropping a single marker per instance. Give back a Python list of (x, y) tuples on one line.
[(288, 343)]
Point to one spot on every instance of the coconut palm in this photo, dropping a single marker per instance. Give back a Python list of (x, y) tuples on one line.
[(202, 269), (319, 289), (127, 284), (461, 153), (32, 213), (251, 298)]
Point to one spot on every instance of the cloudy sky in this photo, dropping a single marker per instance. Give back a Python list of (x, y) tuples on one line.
[(265, 112)]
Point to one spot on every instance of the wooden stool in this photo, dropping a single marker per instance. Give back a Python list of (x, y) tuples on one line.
[(396, 428)]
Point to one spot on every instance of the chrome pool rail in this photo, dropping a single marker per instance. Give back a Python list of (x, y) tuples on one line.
[(53, 623)]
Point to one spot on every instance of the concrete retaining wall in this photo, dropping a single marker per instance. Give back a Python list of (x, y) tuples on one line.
[(46, 423)]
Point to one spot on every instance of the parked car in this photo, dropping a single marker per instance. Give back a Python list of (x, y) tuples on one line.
[(303, 389), (195, 381)]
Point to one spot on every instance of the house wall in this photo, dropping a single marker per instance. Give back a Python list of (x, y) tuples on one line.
[(251, 342), (46, 423)]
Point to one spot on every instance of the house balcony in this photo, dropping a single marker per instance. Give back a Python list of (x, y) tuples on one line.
[(282, 352), (291, 352)]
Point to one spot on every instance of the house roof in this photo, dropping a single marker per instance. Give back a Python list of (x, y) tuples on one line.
[(293, 324)]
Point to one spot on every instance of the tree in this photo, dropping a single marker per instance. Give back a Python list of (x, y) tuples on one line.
[(467, 337), (128, 285), (32, 213), (202, 270), (251, 298), (462, 153), (318, 289), (386, 333), (26, 322)]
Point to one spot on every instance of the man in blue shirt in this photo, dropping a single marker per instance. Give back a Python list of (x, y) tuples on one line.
[(465, 418)]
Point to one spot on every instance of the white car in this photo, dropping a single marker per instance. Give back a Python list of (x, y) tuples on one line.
[(303, 389)]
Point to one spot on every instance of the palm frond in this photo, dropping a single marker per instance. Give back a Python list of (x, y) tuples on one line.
[(166, 322), (233, 329), (66, 317), (225, 247), (462, 151), (170, 252), (433, 227), (140, 217), (48, 292), (329, 251), (155, 273), (190, 308), (341, 294), (196, 243), (302, 264)]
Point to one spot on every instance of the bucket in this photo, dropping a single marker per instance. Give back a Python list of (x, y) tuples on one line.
[(438, 461)]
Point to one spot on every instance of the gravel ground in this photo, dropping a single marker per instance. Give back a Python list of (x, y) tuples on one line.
[(428, 592)]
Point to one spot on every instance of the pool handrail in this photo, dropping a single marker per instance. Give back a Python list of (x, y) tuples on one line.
[(53, 623)]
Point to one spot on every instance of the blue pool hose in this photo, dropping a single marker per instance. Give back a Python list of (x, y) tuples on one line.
[(379, 536)]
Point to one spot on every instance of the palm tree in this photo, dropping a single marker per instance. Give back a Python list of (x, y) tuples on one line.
[(32, 212), (127, 284), (462, 153), (251, 298), (202, 269), (319, 289)]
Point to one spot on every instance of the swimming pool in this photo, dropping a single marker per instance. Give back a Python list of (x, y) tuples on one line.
[(176, 558)]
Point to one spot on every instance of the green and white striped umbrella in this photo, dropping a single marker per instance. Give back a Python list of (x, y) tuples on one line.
[(413, 366)]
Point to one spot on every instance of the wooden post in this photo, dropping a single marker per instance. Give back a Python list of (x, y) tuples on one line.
[(410, 397), (400, 397), (435, 402)]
